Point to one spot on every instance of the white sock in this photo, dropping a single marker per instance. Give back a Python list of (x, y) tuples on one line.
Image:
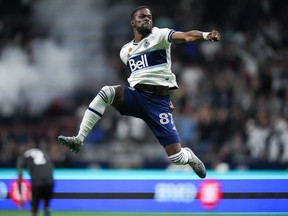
[(182, 157), (95, 111)]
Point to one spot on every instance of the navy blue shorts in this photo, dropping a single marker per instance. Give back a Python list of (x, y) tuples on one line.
[(154, 110)]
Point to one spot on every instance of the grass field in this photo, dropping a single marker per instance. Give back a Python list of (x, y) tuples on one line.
[(25, 213)]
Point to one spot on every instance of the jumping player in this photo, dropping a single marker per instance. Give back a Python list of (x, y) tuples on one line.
[(147, 96)]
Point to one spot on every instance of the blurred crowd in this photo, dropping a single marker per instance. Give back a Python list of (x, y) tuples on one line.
[(231, 108)]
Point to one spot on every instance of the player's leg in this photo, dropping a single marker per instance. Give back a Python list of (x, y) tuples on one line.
[(159, 118), (108, 95), (182, 156), (35, 200), (47, 196), (34, 209)]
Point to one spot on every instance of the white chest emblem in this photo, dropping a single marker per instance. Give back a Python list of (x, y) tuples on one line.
[(146, 44)]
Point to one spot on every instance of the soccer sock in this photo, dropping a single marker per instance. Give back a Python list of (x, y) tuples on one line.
[(182, 157), (96, 109)]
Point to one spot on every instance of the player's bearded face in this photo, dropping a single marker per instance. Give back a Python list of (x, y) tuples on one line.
[(143, 21), (145, 28)]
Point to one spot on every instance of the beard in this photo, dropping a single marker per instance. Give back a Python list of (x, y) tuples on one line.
[(144, 30)]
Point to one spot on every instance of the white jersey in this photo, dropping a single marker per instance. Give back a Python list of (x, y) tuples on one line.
[(149, 61)]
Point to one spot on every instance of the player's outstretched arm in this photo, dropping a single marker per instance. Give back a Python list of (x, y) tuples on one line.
[(194, 36)]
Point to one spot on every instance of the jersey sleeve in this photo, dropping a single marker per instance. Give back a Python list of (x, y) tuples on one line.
[(164, 35), (124, 54)]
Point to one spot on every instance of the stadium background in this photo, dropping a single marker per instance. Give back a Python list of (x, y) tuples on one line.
[(232, 104)]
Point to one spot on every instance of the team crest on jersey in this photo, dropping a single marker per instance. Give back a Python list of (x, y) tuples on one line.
[(129, 50), (146, 43)]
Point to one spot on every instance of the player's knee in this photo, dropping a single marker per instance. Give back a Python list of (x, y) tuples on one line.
[(107, 93), (119, 95)]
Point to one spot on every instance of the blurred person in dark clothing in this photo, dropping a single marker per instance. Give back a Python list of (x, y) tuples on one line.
[(40, 169)]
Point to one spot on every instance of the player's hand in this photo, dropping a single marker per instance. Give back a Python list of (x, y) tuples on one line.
[(21, 203), (214, 36)]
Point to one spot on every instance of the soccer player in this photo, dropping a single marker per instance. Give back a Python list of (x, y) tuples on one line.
[(40, 170), (147, 96)]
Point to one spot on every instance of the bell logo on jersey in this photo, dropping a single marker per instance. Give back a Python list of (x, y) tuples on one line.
[(147, 59), (138, 63)]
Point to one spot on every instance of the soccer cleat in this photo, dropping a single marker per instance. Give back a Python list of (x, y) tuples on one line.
[(197, 165), (73, 143)]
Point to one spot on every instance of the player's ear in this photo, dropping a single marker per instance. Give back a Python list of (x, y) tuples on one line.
[(132, 22)]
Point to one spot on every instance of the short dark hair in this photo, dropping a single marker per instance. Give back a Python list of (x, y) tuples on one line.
[(136, 9)]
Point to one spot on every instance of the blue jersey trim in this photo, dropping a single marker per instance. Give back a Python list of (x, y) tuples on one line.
[(169, 36)]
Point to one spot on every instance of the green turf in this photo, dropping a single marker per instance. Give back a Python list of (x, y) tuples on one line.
[(79, 213)]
